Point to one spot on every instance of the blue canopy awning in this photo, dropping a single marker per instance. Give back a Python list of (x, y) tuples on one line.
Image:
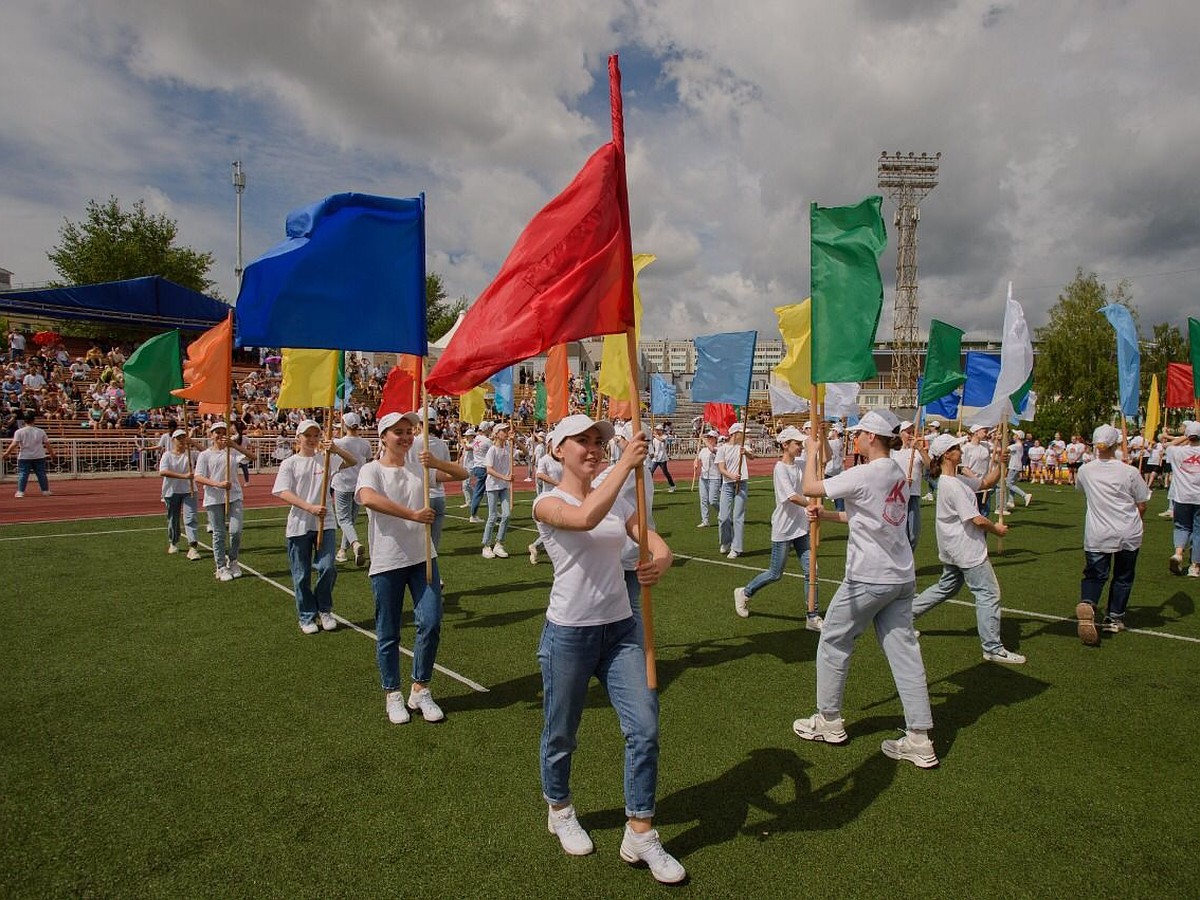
[(150, 302)]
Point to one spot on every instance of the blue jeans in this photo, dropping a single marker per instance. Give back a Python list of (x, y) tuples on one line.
[(779, 555), (913, 523), (227, 536), (1187, 527), (731, 515), (479, 473), (498, 505), (345, 512), (889, 607), (1013, 489), (303, 555), (184, 504), (388, 588), (710, 496), (569, 657), (38, 466), (438, 505), (981, 579), (1096, 567)]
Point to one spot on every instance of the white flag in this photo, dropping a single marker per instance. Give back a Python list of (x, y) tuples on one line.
[(784, 401), (841, 399), (1016, 362)]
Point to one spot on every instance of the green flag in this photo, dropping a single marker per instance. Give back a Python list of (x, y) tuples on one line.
[(1194, 353), (152, 371), (943, 360), (847, 290), (539, 401), (588, 397)]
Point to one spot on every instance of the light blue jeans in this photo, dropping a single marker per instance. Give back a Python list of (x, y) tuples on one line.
[(345, 512), (498, 507), (710, 496), (569, 657), (1187, 527), (303, 556), (388, 588), (438, 505), (889, 607), (731, 516), (479, 473), (981, 579), (1014, 490), (779, 555), (227, 536), (177, 505)]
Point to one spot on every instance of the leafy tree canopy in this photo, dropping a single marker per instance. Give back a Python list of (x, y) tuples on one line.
[(440, 311)]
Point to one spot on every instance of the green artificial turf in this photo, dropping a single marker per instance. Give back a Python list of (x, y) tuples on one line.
[(168, 736)]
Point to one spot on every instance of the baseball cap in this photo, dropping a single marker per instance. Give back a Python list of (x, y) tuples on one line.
[(978, 427), (1107, 436), (178, 432), (879, 421), (736, 427), (943, 443), (393, 417), (350, 420), (905, 425), (217, 425), (1192, 429), (791, 433), (578, 424), (308, 424), (711, 433)]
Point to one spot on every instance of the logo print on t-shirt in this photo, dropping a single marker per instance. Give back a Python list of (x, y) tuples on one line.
[(1191, 463), (895, 505)]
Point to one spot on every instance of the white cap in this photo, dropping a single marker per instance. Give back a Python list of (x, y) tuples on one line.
[(933, 423), (1107, 436), (502, 426), (978, 427), (943, 443), (393, 417), (905, 425), (736, 427), (879, 421), (306, 425), (1192, 429), (791, 433), (658, 428), (178, 432), (467, 432), (350, 420), (217, 424), (711, 433), (578, 424)]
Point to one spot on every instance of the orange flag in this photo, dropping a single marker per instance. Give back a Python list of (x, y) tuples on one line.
[(620, 409), (208, 369), (402, 392), (558, 377)]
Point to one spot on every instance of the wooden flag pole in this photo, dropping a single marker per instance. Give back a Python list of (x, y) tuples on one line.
[(328, 455), (425, 473), (187, 450), (639, 477), (1124, 440), (1002, 488), (814, 527)]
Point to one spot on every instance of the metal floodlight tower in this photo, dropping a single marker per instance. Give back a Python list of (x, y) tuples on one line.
[(906, 180), (239, 186)]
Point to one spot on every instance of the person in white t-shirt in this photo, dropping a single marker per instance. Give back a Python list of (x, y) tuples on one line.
[(913, 459), (1112, 534), (176, 466), (441, 469), (498, 466), (962, 532), (481, 443), (548, 475), (32, 447), (1016, 450), (789, 527), (705, 467), (591, 631), (214, 469), (1183, 458), (394, 494), (733, 463), (311, 533), (659, 456), (976, 457), (877, 590), (343, 483)]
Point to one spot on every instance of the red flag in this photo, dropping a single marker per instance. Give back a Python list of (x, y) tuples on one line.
[(720, 416), (558, 377), (402, 390), (208, 369), (569, 277), (1179, 386)]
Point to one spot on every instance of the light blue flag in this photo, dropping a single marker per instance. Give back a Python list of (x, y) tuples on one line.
[(663, 396), (724, 364), (502, 384), (1129, 360)]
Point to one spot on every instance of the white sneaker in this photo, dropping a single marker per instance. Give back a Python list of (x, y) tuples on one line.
[(1028, 499), (360, 553), (223, 574), (533, 556), (475, 520), (733, 554), (235, 571), (500, 552), (702, 525), (818, 728), (488, 553), (565, 825), (670, 490), (310, 627), (741, 603), (340, 556), (813, 623), (648, 848), (1175, 564), (397, 712), (193, 553), (171, 548), (1004, 656), (19, 494), (723, 549), (928, 498), (423, 701), (328, 622), (917, 750), (1194, 571)]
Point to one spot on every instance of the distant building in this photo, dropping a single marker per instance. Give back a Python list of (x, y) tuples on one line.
[(5, 280)]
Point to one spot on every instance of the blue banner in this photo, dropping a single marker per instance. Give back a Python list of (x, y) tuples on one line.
[(1129, 358), (502, 384), (663, 396), (724, 364)]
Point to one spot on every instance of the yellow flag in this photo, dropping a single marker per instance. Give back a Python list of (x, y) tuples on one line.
[(1153, 412), (795, 324), (309, 378), (471, 406), (614, 362)]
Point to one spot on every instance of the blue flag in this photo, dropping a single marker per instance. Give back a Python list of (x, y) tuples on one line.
[(945, 407), (1129, 358), (350, 276), (502, 384), (983, 369), (663, 396), (724, 364)]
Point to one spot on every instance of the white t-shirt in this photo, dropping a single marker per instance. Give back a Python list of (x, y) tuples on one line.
[(395, 543), (440, 450), (33, 382), (876, 495), (837, 458), (304, 476), (1113, 491), (976, 457), (960, 541), (658, 450), (31, 442), (176, 462), (1185, 472), (789, 520), (345, 479), (499, 458), (588, 588), (1037, 453), (727, 455), (918, 463), (211, 464), (548, 467), (628, 494), (479, 448), (708, 462), (1156, 454), (1015, 451)]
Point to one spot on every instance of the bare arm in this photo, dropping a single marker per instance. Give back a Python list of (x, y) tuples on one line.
[(555, 512), (316, 509), (380, 503), (812, 484)]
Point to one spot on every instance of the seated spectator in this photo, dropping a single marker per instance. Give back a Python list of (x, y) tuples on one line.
[(80, 370)]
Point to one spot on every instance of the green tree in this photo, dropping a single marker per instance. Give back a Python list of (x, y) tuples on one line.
[(112, 244), (1167, 346), (440, 311), (1075, 372)]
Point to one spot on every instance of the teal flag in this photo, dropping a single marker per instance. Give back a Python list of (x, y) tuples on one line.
[(943, 361), (152, 371), (1194, 354)]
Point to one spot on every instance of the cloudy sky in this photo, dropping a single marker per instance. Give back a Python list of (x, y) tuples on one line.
[(1069, 134)]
